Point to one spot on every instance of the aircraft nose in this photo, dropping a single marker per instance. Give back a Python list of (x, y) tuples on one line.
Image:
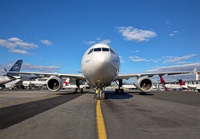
[(101, 59)]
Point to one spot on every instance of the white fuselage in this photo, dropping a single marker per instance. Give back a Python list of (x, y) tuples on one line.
[(5, 79), (100, 65)]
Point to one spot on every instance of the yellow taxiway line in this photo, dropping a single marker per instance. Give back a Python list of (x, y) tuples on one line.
[(100, 122), (7, 103)]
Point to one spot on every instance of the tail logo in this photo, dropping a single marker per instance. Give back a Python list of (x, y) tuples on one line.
[(16, 67)]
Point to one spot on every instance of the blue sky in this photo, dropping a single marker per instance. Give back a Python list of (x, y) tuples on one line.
[(148, 35)]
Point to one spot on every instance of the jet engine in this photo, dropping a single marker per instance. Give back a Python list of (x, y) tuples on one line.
[(54, 83), (144, 84)]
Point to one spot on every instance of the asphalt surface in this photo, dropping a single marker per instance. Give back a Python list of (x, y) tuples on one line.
[(43, 114)]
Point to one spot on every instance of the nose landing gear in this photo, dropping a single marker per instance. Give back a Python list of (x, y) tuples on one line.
[(99, 94)]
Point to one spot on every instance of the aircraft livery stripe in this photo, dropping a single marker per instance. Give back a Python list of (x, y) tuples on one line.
[(100, 122)]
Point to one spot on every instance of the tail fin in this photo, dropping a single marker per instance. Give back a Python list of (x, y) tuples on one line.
[(16, 67), (66, 82), (162, 81), (181, 82)]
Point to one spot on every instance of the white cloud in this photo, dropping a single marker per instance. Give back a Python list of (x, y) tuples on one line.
[(57, 64), (178, 68), (186, 67), (137, 51), (46, 42), (19, 51), (90, 42), (98, 38), (28, 66), (105, 41), (137, 59), (172, 59), (15, 39), (121, 61), (26, 45), (22, 44), (7, 44), (133, 34), (13, 42), (173, 33)]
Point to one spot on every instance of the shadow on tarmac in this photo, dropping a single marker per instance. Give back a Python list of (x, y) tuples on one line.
[(17, 113), (112, 95)]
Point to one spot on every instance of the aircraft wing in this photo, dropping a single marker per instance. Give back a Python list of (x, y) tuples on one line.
[(127, 76), (75, 76)]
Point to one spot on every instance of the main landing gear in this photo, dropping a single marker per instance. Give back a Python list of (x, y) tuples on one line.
[(119, 90), (78, 87), (78, 90), (99, 94)]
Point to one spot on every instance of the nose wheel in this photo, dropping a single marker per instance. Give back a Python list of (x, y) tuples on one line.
[(99, 94)]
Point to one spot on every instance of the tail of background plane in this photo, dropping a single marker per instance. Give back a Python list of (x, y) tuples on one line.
[(16, 67), (181, 82), (162, 81), (66, 82)]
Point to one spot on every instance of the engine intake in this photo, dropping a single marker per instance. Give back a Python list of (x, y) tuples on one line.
[(54, 84), (144, 84)]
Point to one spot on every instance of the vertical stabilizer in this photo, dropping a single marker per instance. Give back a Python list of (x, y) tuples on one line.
[(16, 67), (181, 82), (162, 81)]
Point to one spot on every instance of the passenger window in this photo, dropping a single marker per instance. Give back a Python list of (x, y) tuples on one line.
[(112, 51), (90, 51), (105, 49), (97, 49)]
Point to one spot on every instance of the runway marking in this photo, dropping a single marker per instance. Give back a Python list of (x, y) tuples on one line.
[(100, 122), (7, 103)]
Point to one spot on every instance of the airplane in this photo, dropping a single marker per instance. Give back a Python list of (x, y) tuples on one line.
[(67, 85), (100, 67), (37, 83), (11, 85), (8, 77), (189, 86), (128, 86), (168, 86)]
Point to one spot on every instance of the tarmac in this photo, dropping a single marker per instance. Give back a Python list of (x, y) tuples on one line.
[(64, 114)]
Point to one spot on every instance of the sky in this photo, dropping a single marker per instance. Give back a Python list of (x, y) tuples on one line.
[(53, 35)]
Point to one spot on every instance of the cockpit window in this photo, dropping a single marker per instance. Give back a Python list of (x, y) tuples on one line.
[(97, 49), (112, 51), (90, 51), (105, 49)]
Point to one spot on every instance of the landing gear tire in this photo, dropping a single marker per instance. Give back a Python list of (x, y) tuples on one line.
[(103, 96), (119, 91), (100, 96), (75, 90)]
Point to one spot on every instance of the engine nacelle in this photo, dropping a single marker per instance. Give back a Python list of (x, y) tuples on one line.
[(54, 83), (144, 84)]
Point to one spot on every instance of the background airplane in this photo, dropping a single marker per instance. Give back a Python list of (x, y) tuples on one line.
[(8, 77), (189, 86), (100, 67), (168, 86)]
